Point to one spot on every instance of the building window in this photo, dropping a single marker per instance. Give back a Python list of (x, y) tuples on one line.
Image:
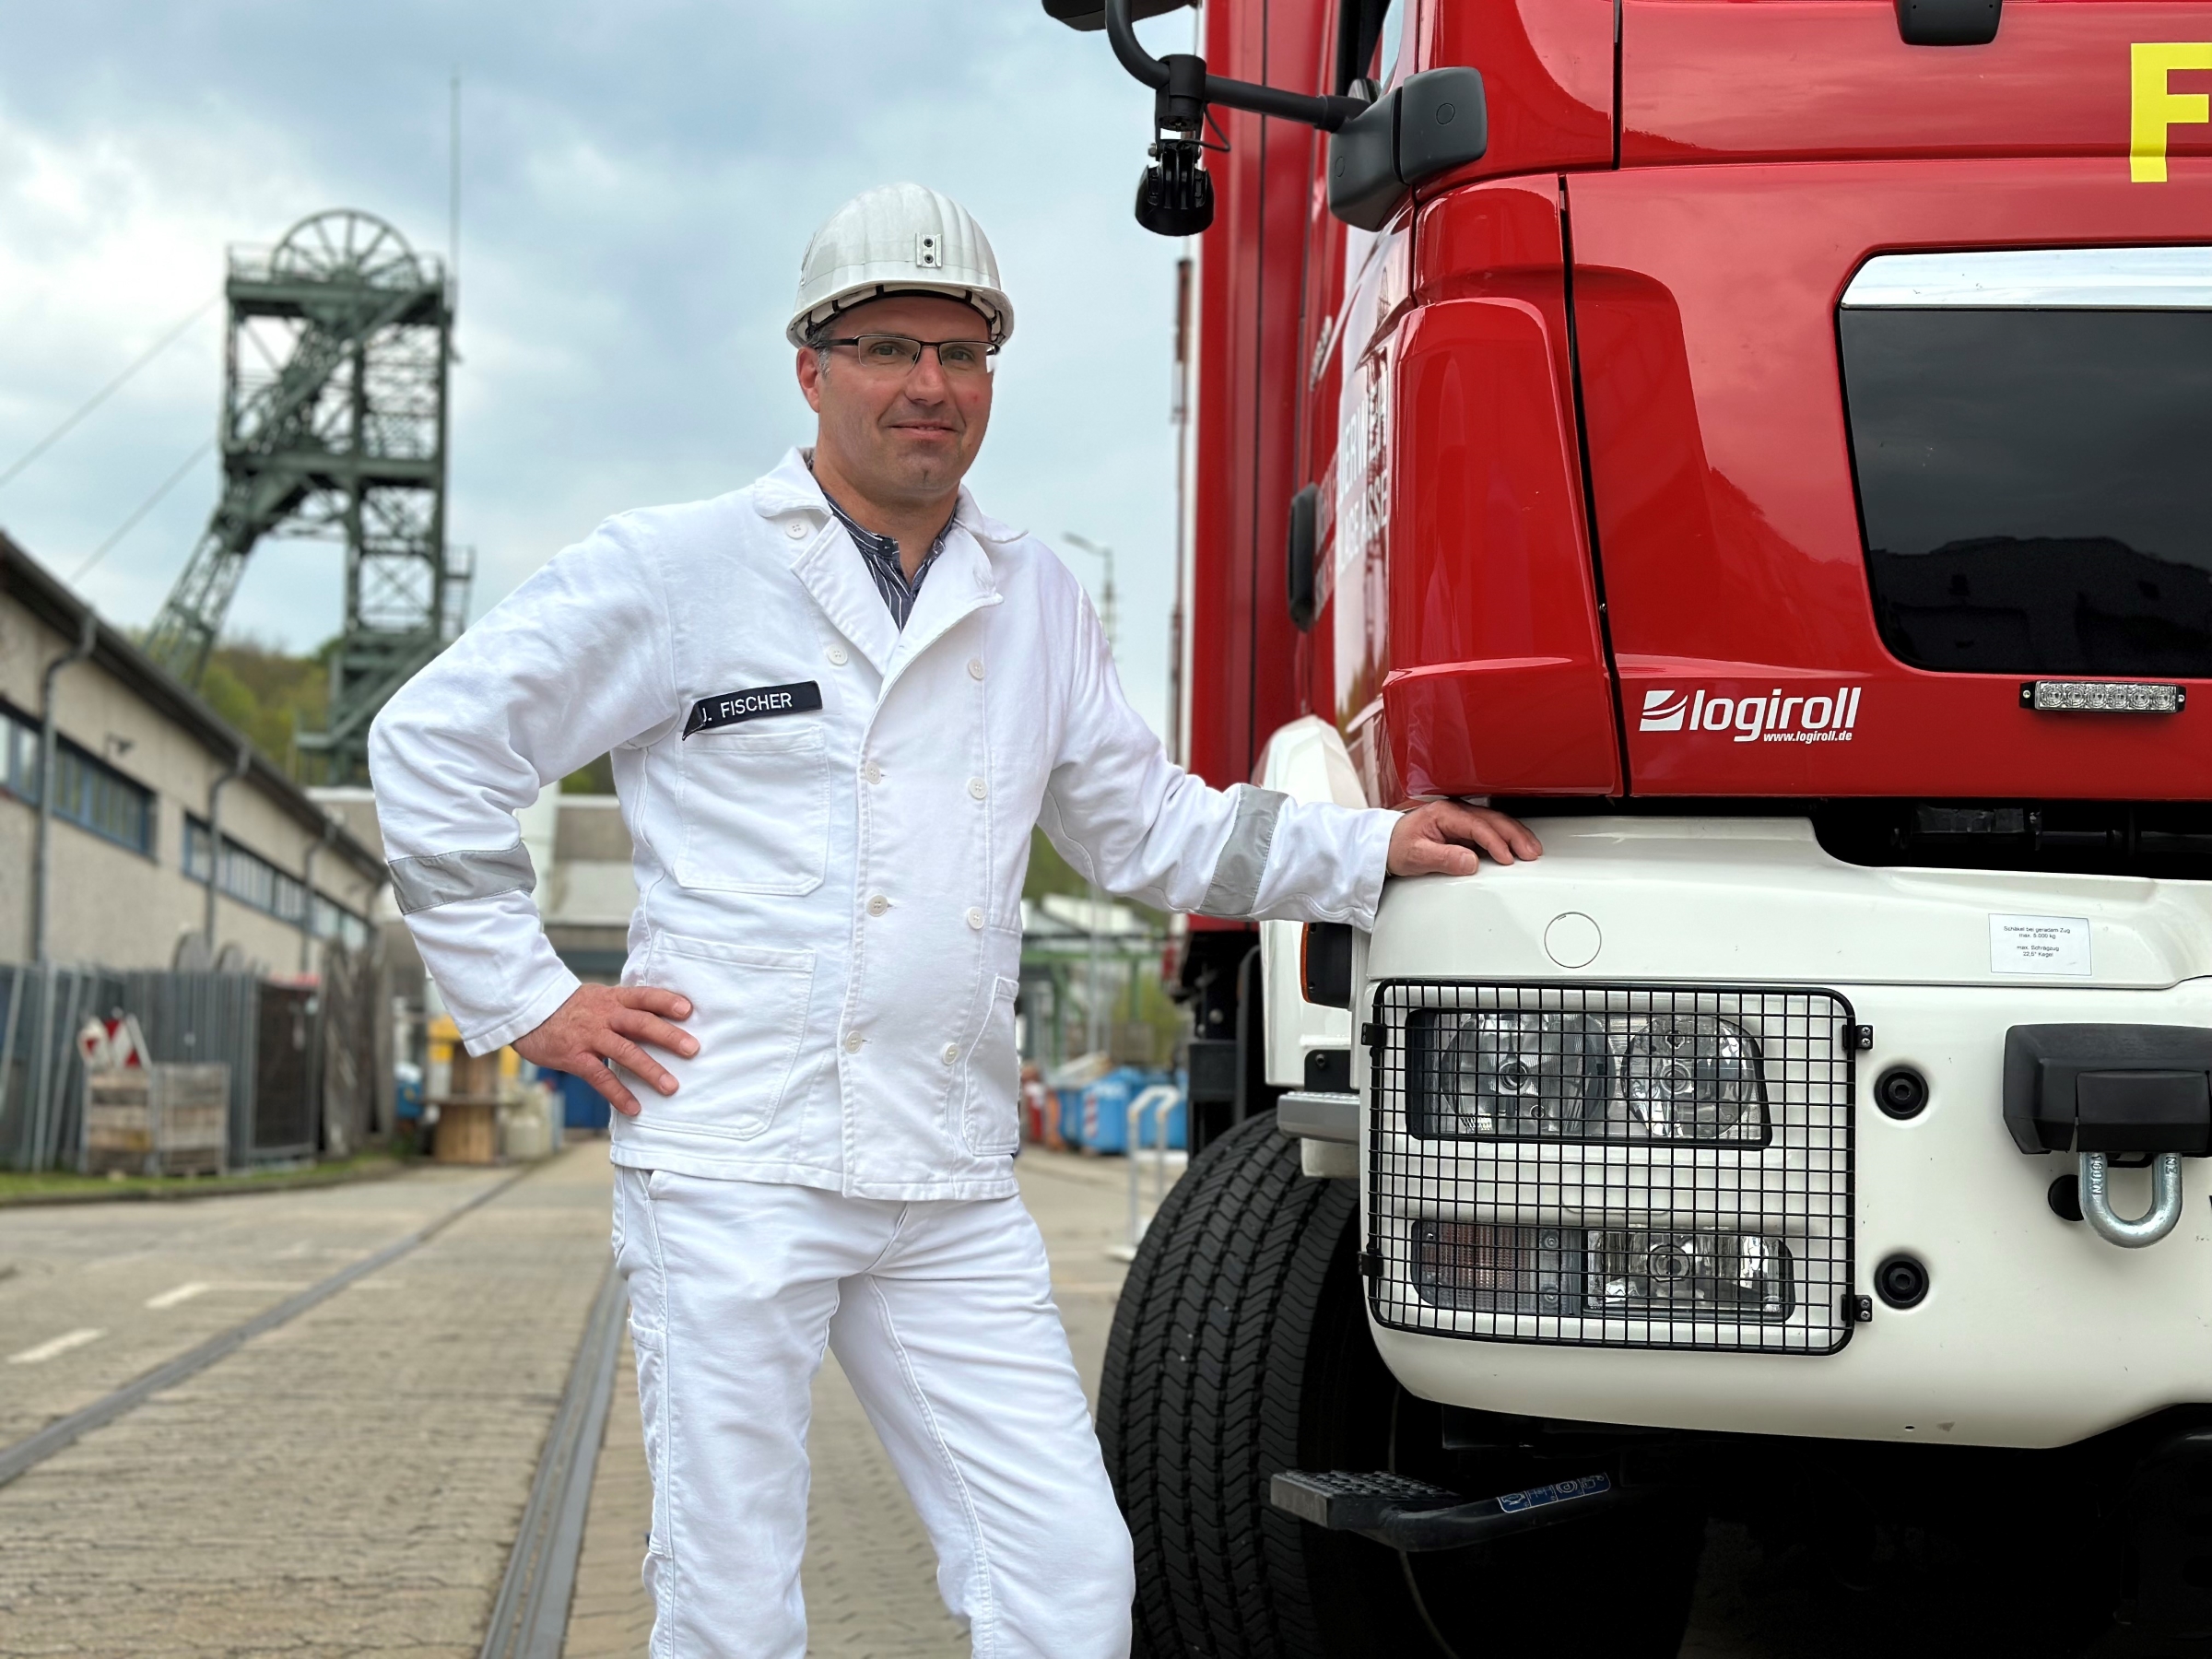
[(253, 880), (336, 921), (89, 791)]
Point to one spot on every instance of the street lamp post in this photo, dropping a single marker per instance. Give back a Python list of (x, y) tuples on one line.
[(1106, 602), (1095, 1010)]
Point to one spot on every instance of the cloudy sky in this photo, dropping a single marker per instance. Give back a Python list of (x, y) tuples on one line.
[(638, 181)]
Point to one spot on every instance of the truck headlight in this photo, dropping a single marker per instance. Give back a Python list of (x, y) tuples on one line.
[(1691, 1076), (1630, 1166), (1602, 1272), (1504, 1074), (1639, 1275), (1514, 1075)]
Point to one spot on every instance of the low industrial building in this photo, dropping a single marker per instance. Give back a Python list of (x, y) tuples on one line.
[(585, 891), (147, 777)]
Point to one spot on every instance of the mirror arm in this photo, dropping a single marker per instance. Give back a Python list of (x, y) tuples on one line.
[(1122, 32), (1327, 114), (1185, 88)]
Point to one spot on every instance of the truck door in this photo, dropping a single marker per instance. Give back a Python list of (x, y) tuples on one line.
[(1897, 400)]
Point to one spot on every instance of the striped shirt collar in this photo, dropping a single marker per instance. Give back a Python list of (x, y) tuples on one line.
[(881, 554)]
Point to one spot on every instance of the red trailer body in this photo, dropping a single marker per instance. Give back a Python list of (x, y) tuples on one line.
[(1242, 679)]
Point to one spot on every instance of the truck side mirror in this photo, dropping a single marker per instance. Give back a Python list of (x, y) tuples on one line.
[(1432, 123), (1305, 517), (1090, 16), (1324, 964)]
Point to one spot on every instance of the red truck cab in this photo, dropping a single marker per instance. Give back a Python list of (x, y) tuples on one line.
[(1776, 464)]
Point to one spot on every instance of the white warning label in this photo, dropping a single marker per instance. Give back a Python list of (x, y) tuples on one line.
[(2038, 944)]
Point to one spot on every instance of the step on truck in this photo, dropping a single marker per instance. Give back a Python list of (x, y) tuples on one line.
[(1766, 444)]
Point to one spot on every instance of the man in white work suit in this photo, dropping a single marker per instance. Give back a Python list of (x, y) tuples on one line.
[(838, 700)]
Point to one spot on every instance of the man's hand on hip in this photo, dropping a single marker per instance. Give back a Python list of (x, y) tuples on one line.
[(608, 1022), (1440, 838)]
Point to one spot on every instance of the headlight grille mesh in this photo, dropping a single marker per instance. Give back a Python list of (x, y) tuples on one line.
[(1611, 1165)]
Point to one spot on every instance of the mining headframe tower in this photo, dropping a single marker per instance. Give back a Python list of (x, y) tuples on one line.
[(336, 371)]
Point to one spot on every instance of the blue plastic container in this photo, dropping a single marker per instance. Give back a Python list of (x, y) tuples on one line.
[(1068, 1103), (1102, 1120), (581, 1106)]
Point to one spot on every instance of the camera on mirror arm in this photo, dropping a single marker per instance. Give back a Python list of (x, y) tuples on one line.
[(1175, 197)]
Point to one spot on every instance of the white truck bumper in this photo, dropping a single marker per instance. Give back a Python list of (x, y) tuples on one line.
[(2034, 1332)]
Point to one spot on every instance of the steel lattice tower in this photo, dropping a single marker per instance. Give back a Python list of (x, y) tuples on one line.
[(333, 426)]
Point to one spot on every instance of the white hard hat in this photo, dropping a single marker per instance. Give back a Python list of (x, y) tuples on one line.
[(898, 239)]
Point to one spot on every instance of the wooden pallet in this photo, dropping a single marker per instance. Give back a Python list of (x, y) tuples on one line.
[(165, 1119)]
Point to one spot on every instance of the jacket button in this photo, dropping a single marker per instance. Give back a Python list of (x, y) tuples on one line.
[(852, 1042), (975, 917), (952, 1053), (871, 773), (976, 667), (836, 653), (879, 904), (976, 787), (795, 529)]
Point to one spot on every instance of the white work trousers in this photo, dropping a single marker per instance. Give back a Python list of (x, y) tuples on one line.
[(941, 1313)]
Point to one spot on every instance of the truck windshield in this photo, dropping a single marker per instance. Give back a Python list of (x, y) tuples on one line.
[(2033, 439)]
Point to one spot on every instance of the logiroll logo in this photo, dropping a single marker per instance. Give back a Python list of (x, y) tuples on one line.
[(1826, 717)]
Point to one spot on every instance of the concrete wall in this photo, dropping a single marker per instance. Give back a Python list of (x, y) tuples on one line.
[(355, 808), (114, 907), (592, 885), (587, 898), (585, 891)]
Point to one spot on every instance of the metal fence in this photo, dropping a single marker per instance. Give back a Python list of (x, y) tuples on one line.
[(184, 1017), (355, 1063)]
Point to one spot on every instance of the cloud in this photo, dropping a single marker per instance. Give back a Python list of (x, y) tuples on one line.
[(638, 182)]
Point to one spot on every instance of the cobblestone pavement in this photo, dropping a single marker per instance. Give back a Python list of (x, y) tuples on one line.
[(869, 1575), (100, 1293), (351, 1483), (348, 1484)]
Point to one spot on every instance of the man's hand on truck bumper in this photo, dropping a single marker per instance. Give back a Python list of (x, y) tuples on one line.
[(1441, 837)]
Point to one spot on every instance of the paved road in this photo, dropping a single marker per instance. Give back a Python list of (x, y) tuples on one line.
[(351, 1483), (347, 1484), (100, 1293)]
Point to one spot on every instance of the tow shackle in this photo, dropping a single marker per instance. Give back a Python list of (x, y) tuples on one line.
[(2141, 1092), (2154, 1224)]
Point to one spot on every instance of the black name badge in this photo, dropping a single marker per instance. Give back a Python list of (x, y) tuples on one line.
[(762, 702)]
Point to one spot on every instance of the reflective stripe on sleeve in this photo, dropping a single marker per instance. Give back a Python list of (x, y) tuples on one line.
[(1236, 886), (437, 879)]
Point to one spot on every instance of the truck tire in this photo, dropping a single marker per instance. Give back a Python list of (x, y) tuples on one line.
[(1240, 1348)]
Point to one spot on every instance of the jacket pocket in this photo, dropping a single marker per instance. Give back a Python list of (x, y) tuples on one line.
[(755, 807), (989, 1125), (748, 1011)]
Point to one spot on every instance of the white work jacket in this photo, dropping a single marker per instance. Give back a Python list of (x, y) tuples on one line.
[(830, 865)]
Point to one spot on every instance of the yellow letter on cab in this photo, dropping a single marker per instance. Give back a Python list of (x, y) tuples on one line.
[(2154, 106)]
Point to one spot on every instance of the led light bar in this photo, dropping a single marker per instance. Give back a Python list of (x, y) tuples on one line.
[(2102, 697), (1602, 1272)]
